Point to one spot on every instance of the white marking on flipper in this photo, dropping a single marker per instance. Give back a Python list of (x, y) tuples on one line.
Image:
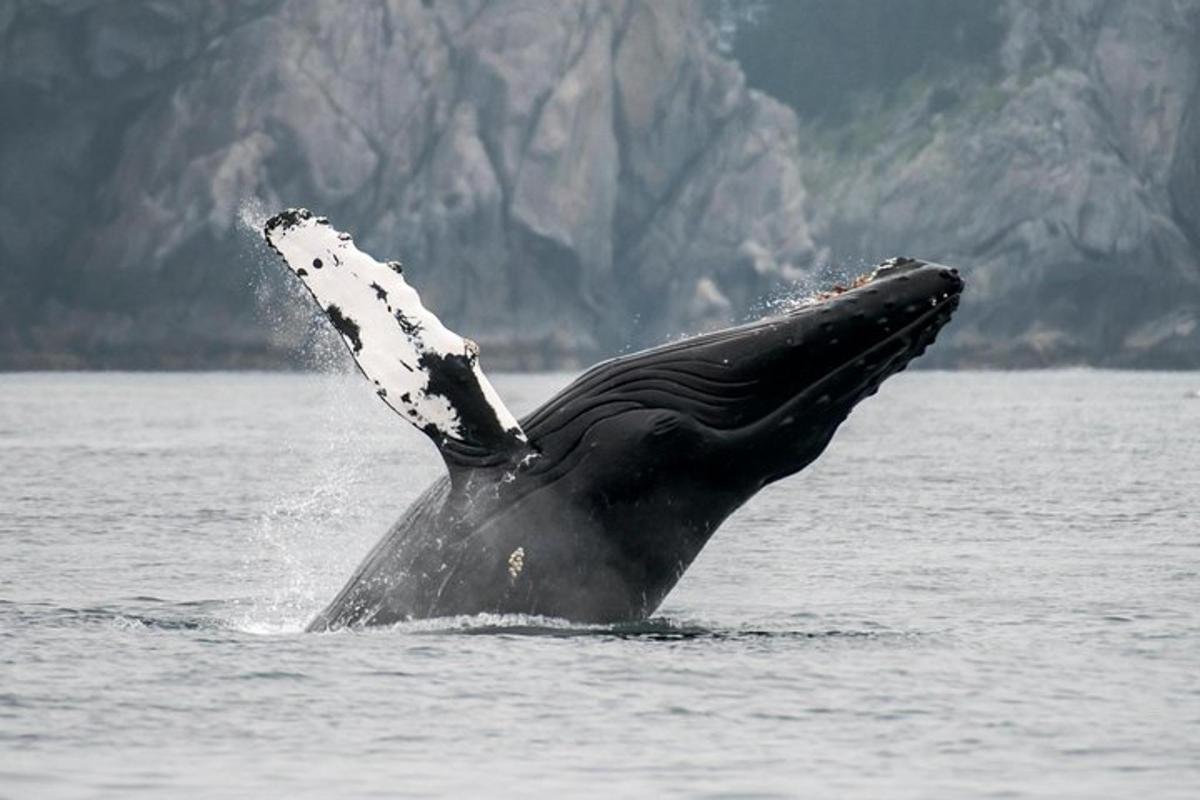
[(392, 337)]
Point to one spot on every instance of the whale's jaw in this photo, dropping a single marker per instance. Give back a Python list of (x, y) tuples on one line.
[(766, 396)]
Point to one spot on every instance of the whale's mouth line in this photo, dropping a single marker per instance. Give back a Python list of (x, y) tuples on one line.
[(946, 302)]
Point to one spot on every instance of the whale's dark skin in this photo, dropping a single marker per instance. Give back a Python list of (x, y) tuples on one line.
[(628, 471)]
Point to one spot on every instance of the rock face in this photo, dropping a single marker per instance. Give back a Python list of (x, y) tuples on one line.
[(1059, 169), (548, 172), (565, 180)]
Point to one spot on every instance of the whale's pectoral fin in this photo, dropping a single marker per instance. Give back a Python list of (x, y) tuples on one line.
[(425, 372)]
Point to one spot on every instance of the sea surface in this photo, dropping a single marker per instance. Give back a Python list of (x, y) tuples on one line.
[(988, 586)]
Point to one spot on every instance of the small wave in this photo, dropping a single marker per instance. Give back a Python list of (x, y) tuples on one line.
[(655, 629), (213, 615), (274, 675), (136, 622), (124, 617), (535, 625)]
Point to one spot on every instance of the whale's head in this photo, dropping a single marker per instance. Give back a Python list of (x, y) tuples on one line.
[(714, 418)]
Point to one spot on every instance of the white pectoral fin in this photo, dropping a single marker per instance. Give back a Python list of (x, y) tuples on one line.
[(425, 372)]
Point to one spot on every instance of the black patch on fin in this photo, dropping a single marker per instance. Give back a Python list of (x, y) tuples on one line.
[(287, 219), (380, 292), (483, 442), (345, 326), (409, 327)]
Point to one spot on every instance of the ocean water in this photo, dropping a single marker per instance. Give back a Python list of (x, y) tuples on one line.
[(988, 586)]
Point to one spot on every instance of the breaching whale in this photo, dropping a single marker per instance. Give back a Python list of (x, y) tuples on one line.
[(591, 507)]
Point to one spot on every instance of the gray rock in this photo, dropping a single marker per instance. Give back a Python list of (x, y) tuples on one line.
[(1065, 185), (565, 180), (546, 171)]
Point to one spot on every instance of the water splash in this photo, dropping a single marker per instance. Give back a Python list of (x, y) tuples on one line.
[(807, 289), (252, 215), (297, 553), (298, 549), (283, 305)]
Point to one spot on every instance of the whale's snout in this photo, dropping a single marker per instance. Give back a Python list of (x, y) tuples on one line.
[(891, 313), (793, 379), (854, 339)]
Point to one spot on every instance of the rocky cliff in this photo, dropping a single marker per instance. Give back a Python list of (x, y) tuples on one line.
[(561, 179), (1050, 149), (566, 180)]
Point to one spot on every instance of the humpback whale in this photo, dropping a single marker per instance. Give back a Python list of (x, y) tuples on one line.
[(592, 506)]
